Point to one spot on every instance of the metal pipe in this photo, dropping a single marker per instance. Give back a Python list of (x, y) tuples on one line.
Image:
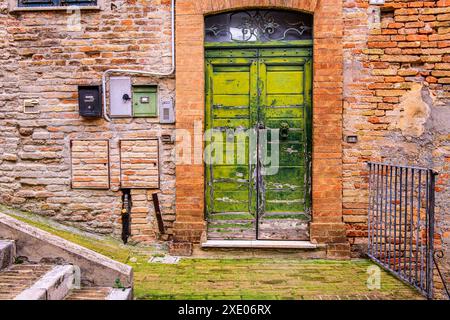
[(395, 218), (390, 217), (126, 215), (145, 73), (431, 235), (406, 221), (369, 220)]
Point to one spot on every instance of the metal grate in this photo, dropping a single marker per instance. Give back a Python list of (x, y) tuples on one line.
[(258, 26), (401, 222)]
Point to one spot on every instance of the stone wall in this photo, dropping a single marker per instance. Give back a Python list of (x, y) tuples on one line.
[(397, 100), (43, 57)]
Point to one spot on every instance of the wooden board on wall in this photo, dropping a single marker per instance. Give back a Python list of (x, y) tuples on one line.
[(90, 164), (139, 164)]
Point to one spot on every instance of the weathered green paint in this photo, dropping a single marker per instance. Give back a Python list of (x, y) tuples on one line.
[(246, 89)]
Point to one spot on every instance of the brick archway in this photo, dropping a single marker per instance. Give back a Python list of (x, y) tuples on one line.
[(327, 226)]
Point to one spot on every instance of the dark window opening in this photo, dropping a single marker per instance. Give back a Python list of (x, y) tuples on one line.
[(56, 3)]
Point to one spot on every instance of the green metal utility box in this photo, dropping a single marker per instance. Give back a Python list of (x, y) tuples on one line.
[(145, 101)]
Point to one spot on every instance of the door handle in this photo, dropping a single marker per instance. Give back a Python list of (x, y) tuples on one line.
[(261, 126)]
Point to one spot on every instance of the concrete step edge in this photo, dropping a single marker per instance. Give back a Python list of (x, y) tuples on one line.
[(7, 253), (54, 285), (120, 294)]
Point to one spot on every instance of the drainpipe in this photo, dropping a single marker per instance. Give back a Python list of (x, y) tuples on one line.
[(145, 73), (126, 215)]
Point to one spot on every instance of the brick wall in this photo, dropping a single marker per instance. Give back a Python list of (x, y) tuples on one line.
[(396, 99), (41, 58)]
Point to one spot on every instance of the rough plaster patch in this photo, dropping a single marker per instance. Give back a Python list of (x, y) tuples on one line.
[(415, 112)]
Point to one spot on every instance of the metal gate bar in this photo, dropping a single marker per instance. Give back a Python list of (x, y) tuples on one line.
[(401, 222)]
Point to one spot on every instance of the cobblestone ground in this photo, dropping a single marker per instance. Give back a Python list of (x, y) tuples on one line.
[(265, 279), (234, 278)]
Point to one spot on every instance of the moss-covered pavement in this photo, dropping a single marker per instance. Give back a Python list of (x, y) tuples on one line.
[(237, 278)]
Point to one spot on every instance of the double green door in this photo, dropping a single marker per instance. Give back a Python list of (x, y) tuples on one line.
[(258, 146)]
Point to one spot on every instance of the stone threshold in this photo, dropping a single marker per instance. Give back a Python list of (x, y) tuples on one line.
[(260, 244)]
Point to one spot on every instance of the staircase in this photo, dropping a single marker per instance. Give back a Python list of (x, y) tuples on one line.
[(23, 280)]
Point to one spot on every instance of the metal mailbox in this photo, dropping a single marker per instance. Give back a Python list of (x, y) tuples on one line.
[(145, 101), (89, 101)]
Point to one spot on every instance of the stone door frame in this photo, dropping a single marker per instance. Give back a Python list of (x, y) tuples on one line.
[(327, 225)]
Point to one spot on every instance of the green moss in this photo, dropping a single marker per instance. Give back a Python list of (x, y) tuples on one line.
[(231, 217), (232, 278), (103, 245), (232, 225)]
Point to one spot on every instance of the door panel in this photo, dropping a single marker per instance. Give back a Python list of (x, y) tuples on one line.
[(231, 102), (282, 214), (258, 189)]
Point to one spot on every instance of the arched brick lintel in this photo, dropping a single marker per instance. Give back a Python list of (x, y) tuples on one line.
[(211, 7), (327, 225)]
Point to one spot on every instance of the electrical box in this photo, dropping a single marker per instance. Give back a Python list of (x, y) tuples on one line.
[(120, 97), (145, 101), (90, 101), (31, 105), (167, 112), (167, 139)]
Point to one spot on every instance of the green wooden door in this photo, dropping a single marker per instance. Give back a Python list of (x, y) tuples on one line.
[(284, 104), (258, 105)]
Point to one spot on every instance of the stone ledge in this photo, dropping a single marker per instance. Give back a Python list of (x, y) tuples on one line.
[(36, 244), (120, 294)]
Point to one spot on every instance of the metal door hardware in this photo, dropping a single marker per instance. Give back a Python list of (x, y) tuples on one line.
[(284, 130)]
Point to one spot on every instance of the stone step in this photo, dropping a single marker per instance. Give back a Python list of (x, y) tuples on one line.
[(53, 285), (259, 244), (100, 293), (50, 282), (260, 249), (7, 253), (18, 278)]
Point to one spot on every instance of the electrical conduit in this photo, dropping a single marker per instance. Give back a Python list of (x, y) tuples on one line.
[(147, 73)]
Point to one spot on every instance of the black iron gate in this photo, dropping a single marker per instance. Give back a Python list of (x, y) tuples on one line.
[(401, 222)]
